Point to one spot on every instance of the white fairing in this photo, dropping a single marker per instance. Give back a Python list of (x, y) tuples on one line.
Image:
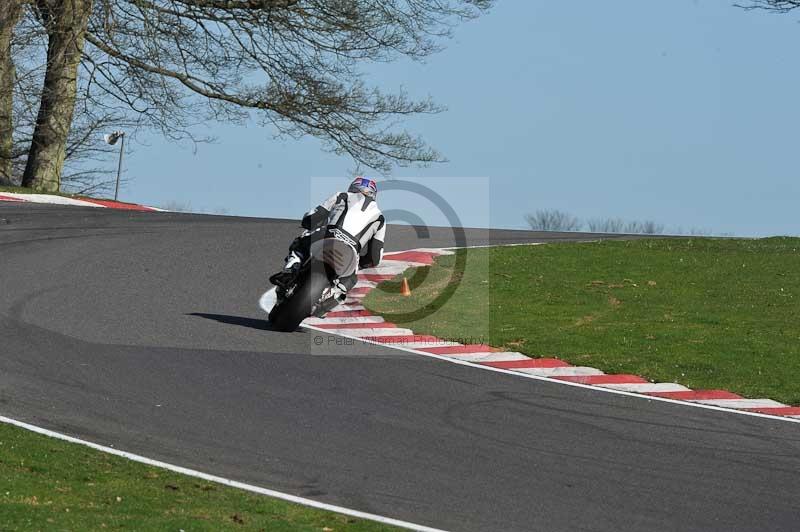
[(337, 254)]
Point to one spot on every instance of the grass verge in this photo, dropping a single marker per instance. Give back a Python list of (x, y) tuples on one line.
[(705, 313), (48, 484)]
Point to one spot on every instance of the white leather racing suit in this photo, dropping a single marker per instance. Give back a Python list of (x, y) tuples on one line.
[(359, 219), (355, 218)]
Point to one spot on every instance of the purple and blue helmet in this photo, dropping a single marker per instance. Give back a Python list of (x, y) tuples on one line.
[(364, 185)]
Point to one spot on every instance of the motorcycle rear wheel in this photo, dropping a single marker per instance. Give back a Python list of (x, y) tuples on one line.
[(288, 315)]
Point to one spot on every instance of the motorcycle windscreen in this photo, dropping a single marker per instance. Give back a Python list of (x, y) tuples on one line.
[(340, 256)]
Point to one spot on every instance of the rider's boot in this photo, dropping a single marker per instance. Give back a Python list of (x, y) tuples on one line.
[(285, 277), (338, 296)]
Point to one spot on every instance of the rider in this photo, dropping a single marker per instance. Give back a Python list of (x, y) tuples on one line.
[(355, 214)]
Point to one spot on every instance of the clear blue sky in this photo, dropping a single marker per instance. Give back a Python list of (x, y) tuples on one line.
[(686, 112)]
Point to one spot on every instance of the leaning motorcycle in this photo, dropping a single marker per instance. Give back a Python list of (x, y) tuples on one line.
[(316, 288)]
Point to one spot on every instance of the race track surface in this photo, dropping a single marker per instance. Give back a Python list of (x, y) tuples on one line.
[(141, 331)]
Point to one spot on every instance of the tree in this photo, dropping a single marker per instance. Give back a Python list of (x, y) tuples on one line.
[(9, 17), (65, 22), (606, 225), (553, 220), (86, 166), (293, 64), (618, 225), (647, 227)]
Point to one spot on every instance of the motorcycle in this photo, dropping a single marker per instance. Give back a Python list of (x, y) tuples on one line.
[(316, 288)]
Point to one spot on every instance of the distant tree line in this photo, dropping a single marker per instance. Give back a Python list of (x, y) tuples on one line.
[(556, 220)]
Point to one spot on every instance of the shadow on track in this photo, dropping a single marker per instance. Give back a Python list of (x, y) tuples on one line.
[(251, 323)]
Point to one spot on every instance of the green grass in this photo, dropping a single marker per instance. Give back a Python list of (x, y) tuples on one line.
[(48, 484), (706, 313)]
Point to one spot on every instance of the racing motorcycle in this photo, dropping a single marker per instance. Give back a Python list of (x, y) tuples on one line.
[(316, 288)]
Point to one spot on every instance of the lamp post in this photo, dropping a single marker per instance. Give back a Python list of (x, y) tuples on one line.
[(112, 139)]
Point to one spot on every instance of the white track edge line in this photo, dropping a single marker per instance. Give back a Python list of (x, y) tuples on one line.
[(561, 382), (221, 480)]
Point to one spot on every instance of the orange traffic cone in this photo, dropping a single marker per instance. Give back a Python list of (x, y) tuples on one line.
[(404, 289)]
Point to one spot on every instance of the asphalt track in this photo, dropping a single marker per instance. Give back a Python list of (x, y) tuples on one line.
[(141, 331)]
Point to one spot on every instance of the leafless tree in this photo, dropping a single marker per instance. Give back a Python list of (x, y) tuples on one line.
[(553, 220), (647, 227), (296, 65), (10, 15), (618, 225), (606, 225), (88, 166), (65, 22)]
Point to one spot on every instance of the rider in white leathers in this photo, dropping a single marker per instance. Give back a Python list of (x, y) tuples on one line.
[(355, 216)]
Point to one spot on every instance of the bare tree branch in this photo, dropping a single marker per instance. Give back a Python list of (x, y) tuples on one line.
[(778, 6), (296, 66)]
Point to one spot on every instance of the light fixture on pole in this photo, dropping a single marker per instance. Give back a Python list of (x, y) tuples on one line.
[(111, 139)]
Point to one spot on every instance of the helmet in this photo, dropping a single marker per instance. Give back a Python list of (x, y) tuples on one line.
[(364, 185)]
